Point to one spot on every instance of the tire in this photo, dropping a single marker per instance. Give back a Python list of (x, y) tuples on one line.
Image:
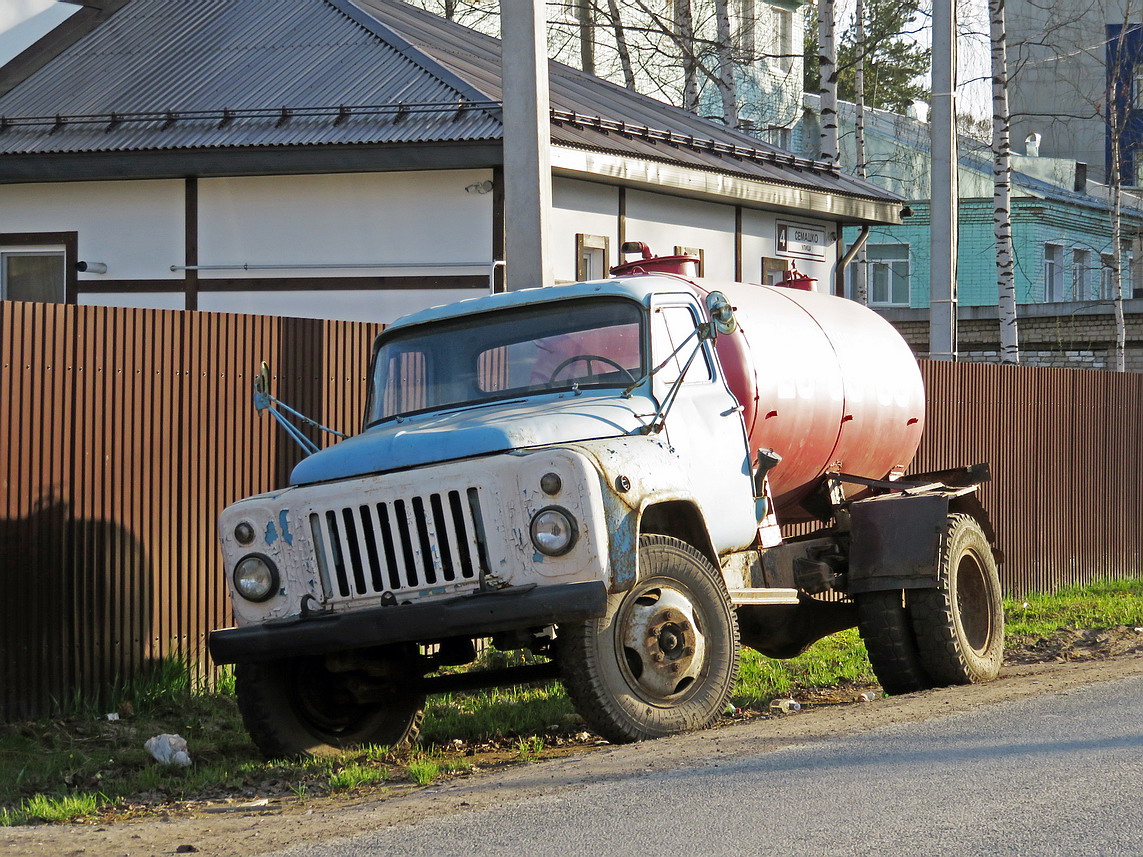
[(664, 657), (887, 630), (959, 625), (299, 708)]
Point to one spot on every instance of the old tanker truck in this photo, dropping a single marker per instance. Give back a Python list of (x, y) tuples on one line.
[(600, 473)]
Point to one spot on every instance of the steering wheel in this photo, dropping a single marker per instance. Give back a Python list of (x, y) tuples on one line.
[(588, 359)]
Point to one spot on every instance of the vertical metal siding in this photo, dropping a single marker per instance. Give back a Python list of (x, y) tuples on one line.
[(1065, 498), (124, 432)]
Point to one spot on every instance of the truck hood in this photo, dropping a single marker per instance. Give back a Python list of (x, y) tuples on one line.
[(478, 430)]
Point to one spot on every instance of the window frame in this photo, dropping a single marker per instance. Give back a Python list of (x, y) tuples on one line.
[(49, 242), (871, 265), (1053, 272), (585, 242)]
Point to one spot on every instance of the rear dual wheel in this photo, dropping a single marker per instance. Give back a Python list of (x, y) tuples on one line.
[(950, 634)]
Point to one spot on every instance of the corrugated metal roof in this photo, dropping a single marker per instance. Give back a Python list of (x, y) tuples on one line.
[(167, 74), (165, 57), (476, 58)]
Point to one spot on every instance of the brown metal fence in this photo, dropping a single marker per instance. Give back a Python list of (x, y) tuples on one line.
[(1066, 496), (124, 432)]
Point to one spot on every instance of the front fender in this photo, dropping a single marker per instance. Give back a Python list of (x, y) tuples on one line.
[(634, 473)]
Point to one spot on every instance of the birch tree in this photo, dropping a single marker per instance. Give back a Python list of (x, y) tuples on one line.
[(827, 82), (619, 32), (1002, 186), (726, 65)]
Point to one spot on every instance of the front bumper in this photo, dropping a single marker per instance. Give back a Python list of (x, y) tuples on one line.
[(478, 614)]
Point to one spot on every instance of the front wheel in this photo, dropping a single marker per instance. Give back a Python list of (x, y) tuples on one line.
[(664, 657), (298, 707)]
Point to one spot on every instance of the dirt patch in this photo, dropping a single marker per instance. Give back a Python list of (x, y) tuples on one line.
[(1068, 644), (241, 827)]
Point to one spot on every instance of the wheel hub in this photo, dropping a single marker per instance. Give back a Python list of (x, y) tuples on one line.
[(663, 644)]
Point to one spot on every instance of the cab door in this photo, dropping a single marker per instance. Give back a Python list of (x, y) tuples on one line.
[(704, 424)]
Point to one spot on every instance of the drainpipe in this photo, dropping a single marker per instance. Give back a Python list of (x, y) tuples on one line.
[(854, 249)]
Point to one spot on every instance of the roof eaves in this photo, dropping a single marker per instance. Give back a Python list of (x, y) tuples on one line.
[(738, 174)]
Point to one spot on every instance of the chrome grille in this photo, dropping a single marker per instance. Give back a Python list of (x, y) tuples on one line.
[(401, 545)]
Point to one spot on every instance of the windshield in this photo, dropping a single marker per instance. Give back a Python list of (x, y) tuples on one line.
[(591, 342)]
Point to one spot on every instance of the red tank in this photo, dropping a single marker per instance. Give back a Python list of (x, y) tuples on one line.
[(825, 382)]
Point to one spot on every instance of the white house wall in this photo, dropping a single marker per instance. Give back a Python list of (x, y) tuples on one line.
[(665, 222), (422, 219), (580, 207), (134, 227), (380, 305), (353, 246)]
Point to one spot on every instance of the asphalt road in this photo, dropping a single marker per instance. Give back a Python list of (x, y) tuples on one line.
[(1058, 774)]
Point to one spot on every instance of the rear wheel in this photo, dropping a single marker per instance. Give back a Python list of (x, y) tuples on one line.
[(664, 657), (887, 630), (298, 707), (959, 625)]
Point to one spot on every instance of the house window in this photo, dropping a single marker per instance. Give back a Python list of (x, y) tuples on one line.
[(1107, 277), (33, 273), (779, 137), (1137, 88), (1053, 273), (781, 45), (887, 273), (1081, 274), (773, 270), (747, 27), (591, 256), (693, 251)]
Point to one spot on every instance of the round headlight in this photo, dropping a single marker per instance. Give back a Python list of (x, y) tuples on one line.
[(255, 577), (553, 531), (244, 533), (550, 484)]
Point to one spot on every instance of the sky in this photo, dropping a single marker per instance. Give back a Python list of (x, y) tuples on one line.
[(23, 21)]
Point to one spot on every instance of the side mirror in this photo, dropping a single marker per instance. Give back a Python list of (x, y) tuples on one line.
[(262, 395), (721, 313)]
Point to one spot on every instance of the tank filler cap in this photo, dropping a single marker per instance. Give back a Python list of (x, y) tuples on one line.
[(649, 263)]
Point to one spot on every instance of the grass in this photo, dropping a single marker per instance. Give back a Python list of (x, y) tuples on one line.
[(1107, 604), (424, 771), (76, 763), (355, 775)]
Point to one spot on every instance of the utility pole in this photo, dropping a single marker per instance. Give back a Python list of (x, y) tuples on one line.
[(943, 196), (527, 143)]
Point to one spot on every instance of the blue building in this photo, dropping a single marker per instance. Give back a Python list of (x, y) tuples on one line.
[(1061, 223)]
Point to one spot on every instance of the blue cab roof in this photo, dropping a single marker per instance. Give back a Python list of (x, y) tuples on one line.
[(638, 288)]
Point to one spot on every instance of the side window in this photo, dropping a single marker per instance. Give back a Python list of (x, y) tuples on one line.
[(670, 328), (32, 274)]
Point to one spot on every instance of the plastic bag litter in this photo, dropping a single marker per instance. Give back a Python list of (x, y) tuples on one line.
[(168, 750)]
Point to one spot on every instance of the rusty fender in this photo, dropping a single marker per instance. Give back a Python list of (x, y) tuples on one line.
[(635, 473)]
